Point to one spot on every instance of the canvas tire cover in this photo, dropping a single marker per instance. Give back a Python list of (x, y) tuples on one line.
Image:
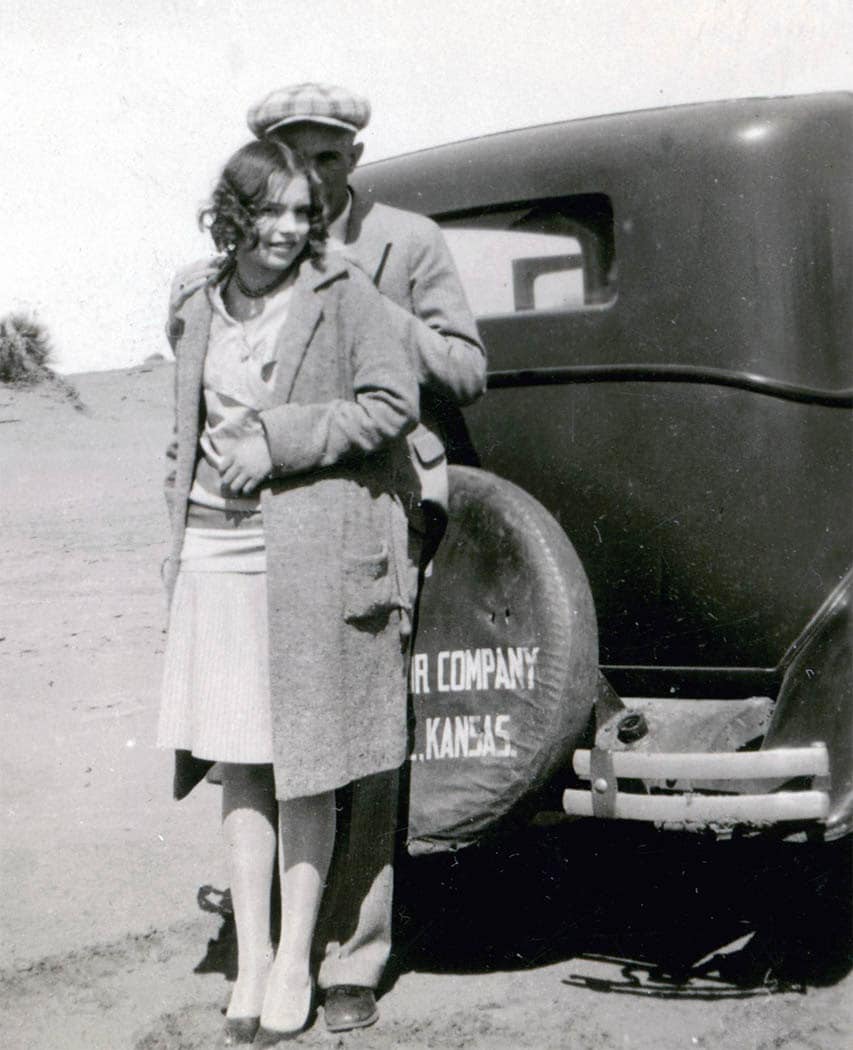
[(504, 666)]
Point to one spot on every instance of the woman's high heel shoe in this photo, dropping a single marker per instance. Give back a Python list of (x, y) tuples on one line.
[(239, 1031), (273, 1036)]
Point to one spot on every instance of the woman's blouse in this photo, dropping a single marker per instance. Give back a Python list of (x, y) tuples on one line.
[(238, 384), (224, 532)]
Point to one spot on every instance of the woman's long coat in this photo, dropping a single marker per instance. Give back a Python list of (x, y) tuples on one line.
[(340, 583)]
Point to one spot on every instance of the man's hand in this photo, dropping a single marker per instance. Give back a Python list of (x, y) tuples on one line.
[(246, 464), (199, 279)]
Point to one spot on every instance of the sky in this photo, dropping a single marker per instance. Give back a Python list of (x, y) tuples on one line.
[(118, 114)]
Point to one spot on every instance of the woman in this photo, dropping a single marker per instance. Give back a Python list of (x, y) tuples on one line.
[(289, 575)]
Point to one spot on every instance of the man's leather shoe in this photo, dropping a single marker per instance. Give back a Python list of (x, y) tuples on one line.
[(348, 1006)]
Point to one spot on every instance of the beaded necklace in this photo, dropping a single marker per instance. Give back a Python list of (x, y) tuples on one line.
[(265, 289)]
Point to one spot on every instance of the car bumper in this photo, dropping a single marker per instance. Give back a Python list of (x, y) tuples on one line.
[(682, 789)]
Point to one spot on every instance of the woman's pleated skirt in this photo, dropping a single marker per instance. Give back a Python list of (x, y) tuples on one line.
[(216, 692)]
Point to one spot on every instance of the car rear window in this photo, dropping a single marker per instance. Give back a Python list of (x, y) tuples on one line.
[(554, 254)]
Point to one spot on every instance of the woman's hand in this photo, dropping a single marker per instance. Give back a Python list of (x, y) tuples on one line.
[(246, 464)]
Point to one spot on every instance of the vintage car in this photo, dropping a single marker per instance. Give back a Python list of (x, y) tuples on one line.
[(644, 593)]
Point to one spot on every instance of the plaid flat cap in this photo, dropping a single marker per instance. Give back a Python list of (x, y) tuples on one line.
[(315, 103)]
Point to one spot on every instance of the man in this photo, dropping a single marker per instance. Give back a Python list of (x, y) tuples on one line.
[(406, 257)]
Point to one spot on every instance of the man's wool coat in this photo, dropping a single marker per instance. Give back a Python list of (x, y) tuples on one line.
[(406, 257), (339, 572)]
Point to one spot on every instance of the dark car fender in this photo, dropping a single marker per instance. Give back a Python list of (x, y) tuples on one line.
[(815, 700)]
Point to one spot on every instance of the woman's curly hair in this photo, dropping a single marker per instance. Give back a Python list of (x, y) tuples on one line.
[(243, 187)]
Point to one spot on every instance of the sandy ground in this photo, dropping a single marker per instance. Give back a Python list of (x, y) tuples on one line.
[(113, 928)]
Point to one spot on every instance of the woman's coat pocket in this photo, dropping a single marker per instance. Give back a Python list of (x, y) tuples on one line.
[(369, 588)]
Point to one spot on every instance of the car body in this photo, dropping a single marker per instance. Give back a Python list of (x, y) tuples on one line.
[(666, 298)]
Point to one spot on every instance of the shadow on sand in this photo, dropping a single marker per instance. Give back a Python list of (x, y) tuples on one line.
[(680, 915), (671, 915)]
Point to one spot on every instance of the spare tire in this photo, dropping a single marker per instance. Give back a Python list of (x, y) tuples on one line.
[(504, 667)]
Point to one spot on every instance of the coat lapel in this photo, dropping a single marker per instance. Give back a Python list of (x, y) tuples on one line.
[(195, 314), (366, 243), (303, 316)]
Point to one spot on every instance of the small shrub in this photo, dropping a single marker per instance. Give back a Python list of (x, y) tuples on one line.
[(26, 355)]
